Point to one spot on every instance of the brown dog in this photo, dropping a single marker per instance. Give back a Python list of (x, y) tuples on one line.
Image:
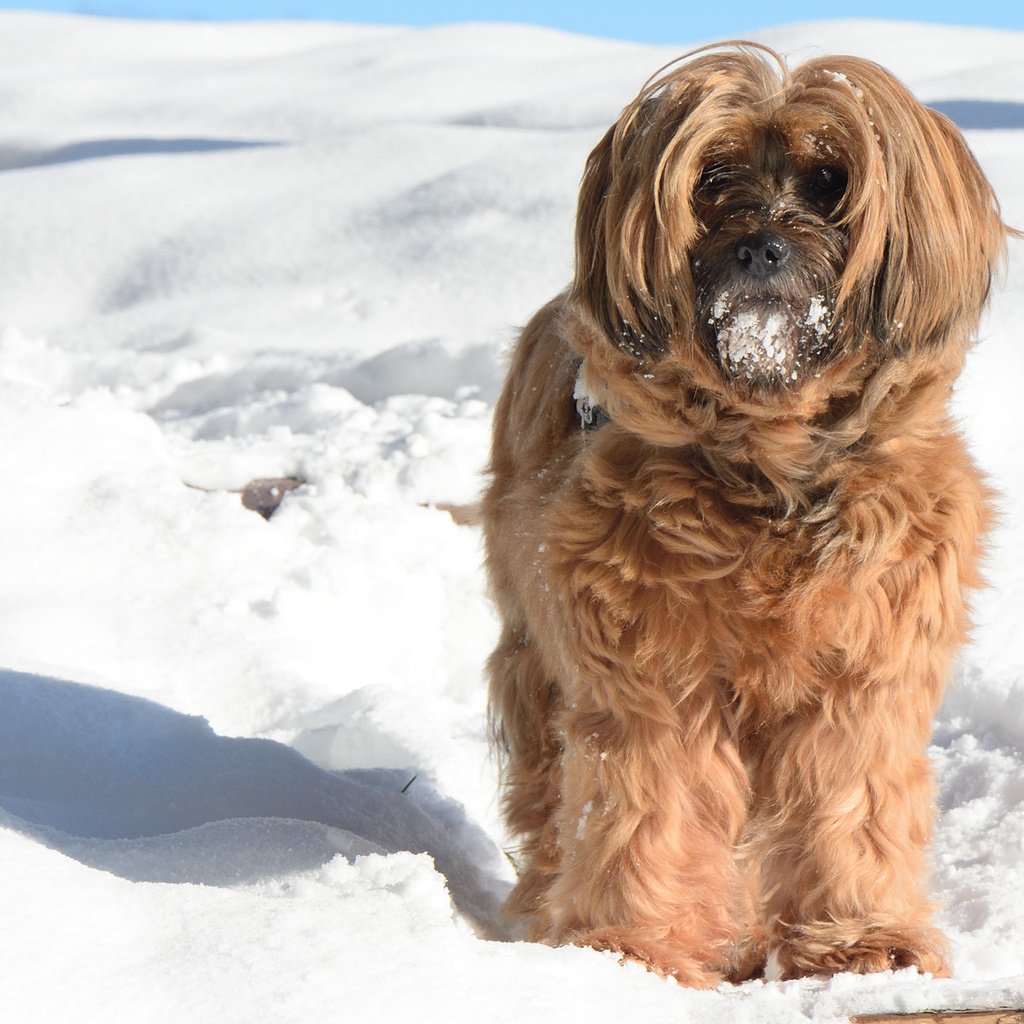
[(731, 524)]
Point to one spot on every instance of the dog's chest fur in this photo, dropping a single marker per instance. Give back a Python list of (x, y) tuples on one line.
[(650, 555), (785, 609)]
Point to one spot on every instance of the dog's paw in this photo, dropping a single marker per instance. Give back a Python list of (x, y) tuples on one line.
[(748, 960), (657, 953), (839, 947)]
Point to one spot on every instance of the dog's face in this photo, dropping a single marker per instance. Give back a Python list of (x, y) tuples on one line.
[(763, 227), (767, 262)]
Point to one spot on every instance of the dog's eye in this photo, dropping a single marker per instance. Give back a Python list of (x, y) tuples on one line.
[(712, 179), (828, 184)]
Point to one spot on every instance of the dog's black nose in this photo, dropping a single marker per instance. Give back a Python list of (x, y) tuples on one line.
[(763, 254)]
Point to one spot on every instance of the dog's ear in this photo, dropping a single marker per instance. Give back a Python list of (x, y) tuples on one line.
[(634, 224), (947, 237), (927, 226)]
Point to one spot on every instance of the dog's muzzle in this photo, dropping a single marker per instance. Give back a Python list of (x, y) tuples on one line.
[(769, 340)]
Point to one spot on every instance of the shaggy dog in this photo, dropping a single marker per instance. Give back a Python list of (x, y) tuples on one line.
[(731, 525)]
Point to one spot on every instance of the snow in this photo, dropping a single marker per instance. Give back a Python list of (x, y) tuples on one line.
[(243, 766), (763, 338)]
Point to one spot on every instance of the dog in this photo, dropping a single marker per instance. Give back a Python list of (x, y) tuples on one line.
[(730, 526)]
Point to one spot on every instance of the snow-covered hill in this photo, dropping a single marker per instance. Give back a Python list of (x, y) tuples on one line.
[(241, 251)]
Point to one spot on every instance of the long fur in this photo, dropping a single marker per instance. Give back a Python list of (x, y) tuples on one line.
[(729, 612)]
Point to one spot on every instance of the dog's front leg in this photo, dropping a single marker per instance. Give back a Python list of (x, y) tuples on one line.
[(847, 802), (650, 812)]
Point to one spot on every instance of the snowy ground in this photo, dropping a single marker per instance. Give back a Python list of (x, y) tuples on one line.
[(243, 773)]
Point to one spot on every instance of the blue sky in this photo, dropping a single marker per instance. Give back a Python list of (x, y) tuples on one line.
[(643, 20)]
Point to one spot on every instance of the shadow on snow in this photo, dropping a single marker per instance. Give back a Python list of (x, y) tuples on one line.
[(982, 114), (129, 786), (12, 158)]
